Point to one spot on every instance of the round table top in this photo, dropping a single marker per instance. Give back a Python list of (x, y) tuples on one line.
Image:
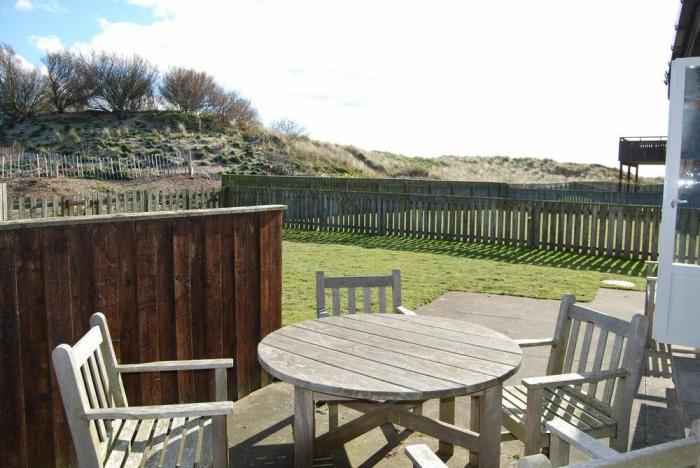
[(389, 356)]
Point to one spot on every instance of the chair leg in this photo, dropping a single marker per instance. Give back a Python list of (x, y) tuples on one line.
[(535, 398), (220, 442), (619, 443), (332, 416), (558, 452)]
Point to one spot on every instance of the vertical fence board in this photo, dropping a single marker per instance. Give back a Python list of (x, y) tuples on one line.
[(247, 269), (13, 443)]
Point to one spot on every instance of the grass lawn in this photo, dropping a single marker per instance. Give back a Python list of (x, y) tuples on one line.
[(430, 268)]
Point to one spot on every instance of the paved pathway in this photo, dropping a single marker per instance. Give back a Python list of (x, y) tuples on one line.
[(261, 434)]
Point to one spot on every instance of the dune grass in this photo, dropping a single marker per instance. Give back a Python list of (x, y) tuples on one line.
[(430, 268)]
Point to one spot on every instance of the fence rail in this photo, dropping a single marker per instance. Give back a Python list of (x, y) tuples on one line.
[(624, 231), (135, 201), (577, 192)]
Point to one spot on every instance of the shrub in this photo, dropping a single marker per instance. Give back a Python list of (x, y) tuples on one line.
[(122, 83), (187, 90), (289, 128), (22, 91), (70, 83), (73, 136)]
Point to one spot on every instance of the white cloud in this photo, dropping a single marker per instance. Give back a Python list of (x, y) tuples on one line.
[(50, 6), (47, 44), (516, 78), (24, 5), (26, 64)]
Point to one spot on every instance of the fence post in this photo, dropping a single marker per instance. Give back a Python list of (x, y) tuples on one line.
[(4, 210), (226, 196), (146, 202)]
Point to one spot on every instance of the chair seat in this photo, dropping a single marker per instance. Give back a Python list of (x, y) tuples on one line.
[(567, 404), (181, 442)]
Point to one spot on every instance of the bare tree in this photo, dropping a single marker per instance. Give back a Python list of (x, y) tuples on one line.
[(187, 90), (289, 128), (233, 107), (22, 90), (69, 81), (122, 83)]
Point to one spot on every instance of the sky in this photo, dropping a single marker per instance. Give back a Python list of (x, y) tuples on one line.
[(542, 78)]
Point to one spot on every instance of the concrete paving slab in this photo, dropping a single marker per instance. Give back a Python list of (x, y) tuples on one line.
[(686, 366), (260, 431)]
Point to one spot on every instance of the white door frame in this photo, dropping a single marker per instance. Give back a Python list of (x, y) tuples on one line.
[(667, 268)]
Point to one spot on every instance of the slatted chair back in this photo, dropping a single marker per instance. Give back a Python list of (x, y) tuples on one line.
[(88, 379), (582, 336), (353, 284)]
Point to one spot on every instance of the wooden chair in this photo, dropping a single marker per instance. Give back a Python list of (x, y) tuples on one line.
[(580, 358), (677, 453), (352, 283), (108, 432), (422, 457)]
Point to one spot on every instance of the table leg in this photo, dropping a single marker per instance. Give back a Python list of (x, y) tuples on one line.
[(489, 420), (447, 414), (474, 402), (304, 430)]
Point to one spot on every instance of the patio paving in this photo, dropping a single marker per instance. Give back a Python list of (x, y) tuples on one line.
[(260, 431)]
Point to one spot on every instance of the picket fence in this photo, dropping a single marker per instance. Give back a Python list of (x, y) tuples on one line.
[(16, 165), (623, 231), (135, 201)]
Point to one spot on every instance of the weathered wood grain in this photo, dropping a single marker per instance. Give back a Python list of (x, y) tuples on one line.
[(139, 272), (352, 356)]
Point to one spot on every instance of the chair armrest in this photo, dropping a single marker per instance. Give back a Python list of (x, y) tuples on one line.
[(531, 342), (579, 439), (549, 381), (215, 408), (535, 461), (404, 311), (165, 366), (423, 457)]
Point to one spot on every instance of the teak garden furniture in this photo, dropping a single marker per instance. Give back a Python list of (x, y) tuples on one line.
[(588, 385), (387, 363), (674, 454), (108, 432), (422, 457), (366, 284)]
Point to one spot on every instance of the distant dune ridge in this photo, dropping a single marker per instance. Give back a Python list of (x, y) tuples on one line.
[(258, 150)]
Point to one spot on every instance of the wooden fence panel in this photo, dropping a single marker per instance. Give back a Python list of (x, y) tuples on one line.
[(625, 231), (573, 192), (111, 203), (201, 284)]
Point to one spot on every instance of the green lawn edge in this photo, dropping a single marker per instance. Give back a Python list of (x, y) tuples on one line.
[(430, 268)]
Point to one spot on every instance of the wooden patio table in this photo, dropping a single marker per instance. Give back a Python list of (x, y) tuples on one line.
[(385, 365)]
